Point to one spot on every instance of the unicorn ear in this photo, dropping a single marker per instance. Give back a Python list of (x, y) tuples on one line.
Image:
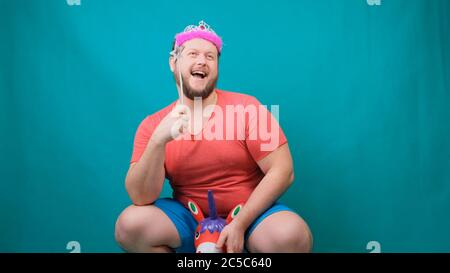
[(195, 211), (233, 213)]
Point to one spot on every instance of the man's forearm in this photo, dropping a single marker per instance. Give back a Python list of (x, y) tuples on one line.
[(271, 187), (145, 179)]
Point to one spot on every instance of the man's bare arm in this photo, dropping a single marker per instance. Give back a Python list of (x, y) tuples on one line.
[(145, 178)]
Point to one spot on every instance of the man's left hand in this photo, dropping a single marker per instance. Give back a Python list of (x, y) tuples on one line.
[(232, 236)]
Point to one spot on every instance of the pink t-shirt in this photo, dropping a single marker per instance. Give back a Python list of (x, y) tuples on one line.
[(223, 158)]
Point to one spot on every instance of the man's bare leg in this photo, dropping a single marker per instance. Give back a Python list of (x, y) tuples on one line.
[(146, 229)]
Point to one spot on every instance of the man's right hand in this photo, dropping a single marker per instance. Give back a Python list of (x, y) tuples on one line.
[(173, 125)]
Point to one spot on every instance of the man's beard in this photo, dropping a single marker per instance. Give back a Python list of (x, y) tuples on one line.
[(190, 93)]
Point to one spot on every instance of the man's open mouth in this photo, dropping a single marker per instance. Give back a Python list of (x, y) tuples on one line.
[(199, 74)]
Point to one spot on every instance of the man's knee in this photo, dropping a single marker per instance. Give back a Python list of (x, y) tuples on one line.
[(296, 238), (284, 232), (131, 224)]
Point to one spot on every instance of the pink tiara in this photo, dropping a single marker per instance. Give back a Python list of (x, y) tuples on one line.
[(203, 31)]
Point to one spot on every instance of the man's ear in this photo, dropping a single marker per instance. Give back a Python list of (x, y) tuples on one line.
[(195, 211), (172, 63), (233, 213)]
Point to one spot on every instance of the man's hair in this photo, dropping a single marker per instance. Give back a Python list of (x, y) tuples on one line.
[(174, 50)]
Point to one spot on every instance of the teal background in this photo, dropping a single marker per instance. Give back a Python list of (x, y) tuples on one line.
[(364, 101)]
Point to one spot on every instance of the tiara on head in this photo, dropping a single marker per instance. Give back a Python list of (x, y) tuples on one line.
[(201, 26), (202, 31)]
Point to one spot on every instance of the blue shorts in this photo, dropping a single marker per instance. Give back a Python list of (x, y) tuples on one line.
[(186, 224)]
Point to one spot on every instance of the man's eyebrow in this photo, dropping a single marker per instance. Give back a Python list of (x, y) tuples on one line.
[(206, 51)]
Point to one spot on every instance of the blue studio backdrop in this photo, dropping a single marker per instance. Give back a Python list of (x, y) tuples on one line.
[(363, 88)]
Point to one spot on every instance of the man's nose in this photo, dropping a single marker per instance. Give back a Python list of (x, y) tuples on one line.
[(201, 59)]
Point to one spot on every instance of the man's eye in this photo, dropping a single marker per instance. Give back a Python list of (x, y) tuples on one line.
[(193, 54), (210, 57)]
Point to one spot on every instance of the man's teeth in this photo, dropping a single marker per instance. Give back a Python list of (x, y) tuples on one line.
[(199, 74)]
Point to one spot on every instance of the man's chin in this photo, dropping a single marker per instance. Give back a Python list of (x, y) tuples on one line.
[(202, 94), (198, 91)]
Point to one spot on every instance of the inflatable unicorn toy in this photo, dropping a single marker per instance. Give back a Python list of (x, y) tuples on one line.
[(208, 230)]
